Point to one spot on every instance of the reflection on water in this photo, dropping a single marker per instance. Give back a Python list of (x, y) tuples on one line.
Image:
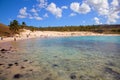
[(74, 58)]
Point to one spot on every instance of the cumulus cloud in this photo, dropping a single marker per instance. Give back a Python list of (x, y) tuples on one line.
[(42, 3), (104, 8), (54, 10), (115, 3), (64, 7), (33, 10), (97, 21), (83, 8), (22, 13), (37, 18), (72, 14), (45, 15)]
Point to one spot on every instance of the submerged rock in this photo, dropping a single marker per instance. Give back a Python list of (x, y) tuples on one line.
[(17, 76), (1, 64), (3, 50), (16, 63), (25, 60), (54, 65), (48, 78), (112, 72), (73, 76), (10, 64), (22, 67)]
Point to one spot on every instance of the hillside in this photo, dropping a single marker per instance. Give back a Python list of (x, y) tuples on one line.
[(4, 30)]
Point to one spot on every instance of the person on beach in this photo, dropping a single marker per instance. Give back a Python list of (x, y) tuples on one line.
[(27, 35), (1, 38), (14, 38)]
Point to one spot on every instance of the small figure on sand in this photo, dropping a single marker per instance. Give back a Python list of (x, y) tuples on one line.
[(14, 38), (1, 38), (27, 35)]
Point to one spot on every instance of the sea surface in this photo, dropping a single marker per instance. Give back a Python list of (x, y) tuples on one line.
[(73, 58)]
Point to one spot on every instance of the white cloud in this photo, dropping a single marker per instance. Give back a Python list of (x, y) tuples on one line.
[(22, 13), (72, 14), (108, 10), (37, 18), (33, 10), (45, 15), (112, 18), (42, 3), (97, 21), (102, 6), (115, 3), (54, 10), (64, 7), (83, 8)]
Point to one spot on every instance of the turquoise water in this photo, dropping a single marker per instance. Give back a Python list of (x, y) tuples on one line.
[(74, 58)]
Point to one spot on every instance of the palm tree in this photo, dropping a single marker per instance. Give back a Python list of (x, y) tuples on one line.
[(14, 26), (23, 25)]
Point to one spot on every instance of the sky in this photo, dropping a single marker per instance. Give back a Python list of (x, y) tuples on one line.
[(44, 13)]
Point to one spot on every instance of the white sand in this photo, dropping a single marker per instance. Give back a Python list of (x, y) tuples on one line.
[(29, 34)]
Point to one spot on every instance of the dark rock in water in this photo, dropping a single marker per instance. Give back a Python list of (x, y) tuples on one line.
[(8, 67), (3, 50), (22, 67), (17, 76), (73, 76), (55, 56), (31, 70), (10, 64), (25, 60), (16, 63), (112, 72), (1, 64), (110, 64), (48, 78), (55, 65)]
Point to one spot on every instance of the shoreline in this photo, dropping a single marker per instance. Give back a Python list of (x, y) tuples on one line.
[(27, 34)]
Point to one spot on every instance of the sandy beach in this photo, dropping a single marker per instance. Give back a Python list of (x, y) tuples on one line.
[(27, 34)]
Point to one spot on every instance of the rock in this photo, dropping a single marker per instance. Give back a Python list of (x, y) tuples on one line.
[(3, 50), (48, 78), (16, 63), (31, 70), (1, 64), (10, 64), (112, 72), (25, 60), (17, 76), (73, 76), (55, 65), (22, 67)]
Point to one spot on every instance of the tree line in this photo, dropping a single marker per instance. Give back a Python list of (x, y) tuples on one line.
[(15, 28)]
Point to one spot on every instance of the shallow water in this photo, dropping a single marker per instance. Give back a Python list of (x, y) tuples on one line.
[(73, 58)]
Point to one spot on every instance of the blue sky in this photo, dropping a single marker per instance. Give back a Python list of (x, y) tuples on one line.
[(60, 12)]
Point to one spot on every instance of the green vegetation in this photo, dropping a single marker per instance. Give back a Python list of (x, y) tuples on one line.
[(107, 29), (15, 28)]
